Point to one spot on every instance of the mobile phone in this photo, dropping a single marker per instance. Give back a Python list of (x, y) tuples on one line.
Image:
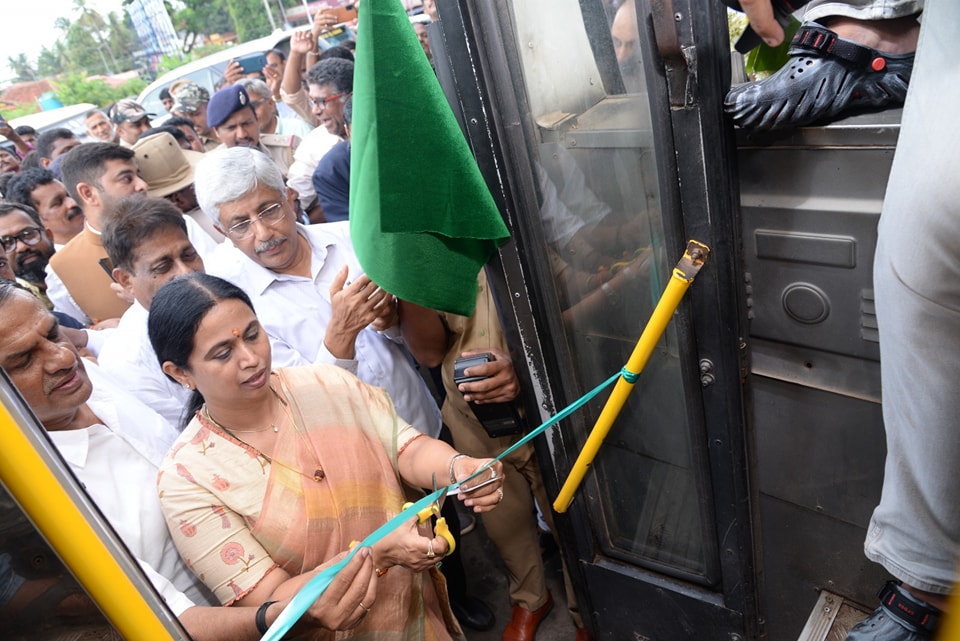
[(498, 419), (107, 266), (253, 62)]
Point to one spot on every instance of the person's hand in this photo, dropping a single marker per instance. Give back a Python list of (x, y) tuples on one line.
[(387, 315), (274, 78), (355, 306), (6, 130), (121, 293), (108, 323), (484, 492), (760, 15), (410, 546), (501, 384), (339, 607), (303, 42), (233, 73), (323, 20)]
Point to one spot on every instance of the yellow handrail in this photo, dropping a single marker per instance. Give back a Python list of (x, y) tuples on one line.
[(680, 281), (38, 491)]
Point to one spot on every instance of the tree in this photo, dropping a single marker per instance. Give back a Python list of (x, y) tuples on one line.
[(203, 17), (52, 61), (250, 18), (22, 68)]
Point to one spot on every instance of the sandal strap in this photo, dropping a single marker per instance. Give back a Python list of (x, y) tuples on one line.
[(812, 37), (908, 609)]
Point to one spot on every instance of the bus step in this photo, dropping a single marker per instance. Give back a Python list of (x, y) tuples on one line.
[(832, 618)]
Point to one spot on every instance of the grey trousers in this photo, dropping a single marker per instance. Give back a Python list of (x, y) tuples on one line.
[(862, 9), (915, 531)]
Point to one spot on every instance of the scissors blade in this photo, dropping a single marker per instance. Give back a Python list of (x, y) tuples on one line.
[(443, 495)]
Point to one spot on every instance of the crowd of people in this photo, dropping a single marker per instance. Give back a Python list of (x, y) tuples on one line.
[(170, 310), (132, 265)]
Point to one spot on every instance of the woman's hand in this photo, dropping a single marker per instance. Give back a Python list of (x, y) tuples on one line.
[(484, 492), (349, 597), (411, 546)]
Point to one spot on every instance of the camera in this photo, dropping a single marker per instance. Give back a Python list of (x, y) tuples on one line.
[(498, 419)]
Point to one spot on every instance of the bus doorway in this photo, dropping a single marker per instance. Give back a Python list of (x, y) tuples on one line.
[(732, 494)]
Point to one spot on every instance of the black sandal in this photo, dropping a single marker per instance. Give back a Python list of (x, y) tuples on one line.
[(825, 78)]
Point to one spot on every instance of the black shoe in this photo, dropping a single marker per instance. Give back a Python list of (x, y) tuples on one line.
[(900, 617), (473, 613)]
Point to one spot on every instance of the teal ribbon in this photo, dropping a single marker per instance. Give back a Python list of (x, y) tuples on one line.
[(318, 584)]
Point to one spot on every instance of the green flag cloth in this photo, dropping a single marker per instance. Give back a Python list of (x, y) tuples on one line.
[(422, 220)]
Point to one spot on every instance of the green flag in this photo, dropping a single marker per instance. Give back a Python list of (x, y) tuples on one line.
[(422, 220)]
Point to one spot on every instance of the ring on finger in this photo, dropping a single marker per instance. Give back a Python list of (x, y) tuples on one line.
[(430, 552), (493, 474), (500, 492), (364, 608)]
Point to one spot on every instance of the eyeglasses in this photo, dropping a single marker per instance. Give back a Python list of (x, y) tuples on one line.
[(30, 237), (322, 102), (269, 216)]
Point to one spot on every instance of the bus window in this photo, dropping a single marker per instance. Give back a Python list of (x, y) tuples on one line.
[(39, 599)]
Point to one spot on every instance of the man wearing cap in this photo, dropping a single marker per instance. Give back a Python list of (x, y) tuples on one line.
[(190, 102), (168, 170), (131, 120), (234, 119)]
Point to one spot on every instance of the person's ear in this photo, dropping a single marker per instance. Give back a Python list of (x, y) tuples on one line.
[(124, 279), (180, 375), (89, 195)]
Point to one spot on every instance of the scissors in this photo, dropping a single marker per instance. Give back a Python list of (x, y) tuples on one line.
[(433, 510)]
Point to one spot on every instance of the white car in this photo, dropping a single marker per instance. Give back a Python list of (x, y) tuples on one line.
[(208, 71)]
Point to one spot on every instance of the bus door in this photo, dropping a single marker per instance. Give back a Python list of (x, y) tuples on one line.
[(579, 116)]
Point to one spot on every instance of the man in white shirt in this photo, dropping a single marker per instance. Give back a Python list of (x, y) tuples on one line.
[(113, 444), (305, 282), (147, 242)]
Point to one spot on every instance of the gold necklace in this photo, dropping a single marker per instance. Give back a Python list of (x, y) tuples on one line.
[(272, 426), (318, 473)]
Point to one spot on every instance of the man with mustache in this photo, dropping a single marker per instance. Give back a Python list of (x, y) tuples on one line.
[(312, 297), (25, 242), (58, 211), (114, 444), (234, 119)]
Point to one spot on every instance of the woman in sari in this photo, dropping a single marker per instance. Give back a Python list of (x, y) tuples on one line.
[(279, 471)]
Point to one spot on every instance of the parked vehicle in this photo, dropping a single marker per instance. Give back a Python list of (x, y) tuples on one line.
[(208, 71), (71, 117)]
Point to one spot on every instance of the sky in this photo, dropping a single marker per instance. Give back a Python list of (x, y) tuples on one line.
[(28, 26)]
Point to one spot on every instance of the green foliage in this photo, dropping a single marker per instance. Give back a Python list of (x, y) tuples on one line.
[(250, 18), (764, 60), (21, 110), (75, 88), (22, 67), (204, 16)]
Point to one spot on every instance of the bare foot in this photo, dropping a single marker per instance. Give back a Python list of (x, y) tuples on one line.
[(891, 36)]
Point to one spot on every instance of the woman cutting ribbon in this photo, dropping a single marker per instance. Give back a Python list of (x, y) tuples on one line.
[(279, 471)]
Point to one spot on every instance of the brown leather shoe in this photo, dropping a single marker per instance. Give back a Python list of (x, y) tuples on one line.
[(524, 623), (583, 635)]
